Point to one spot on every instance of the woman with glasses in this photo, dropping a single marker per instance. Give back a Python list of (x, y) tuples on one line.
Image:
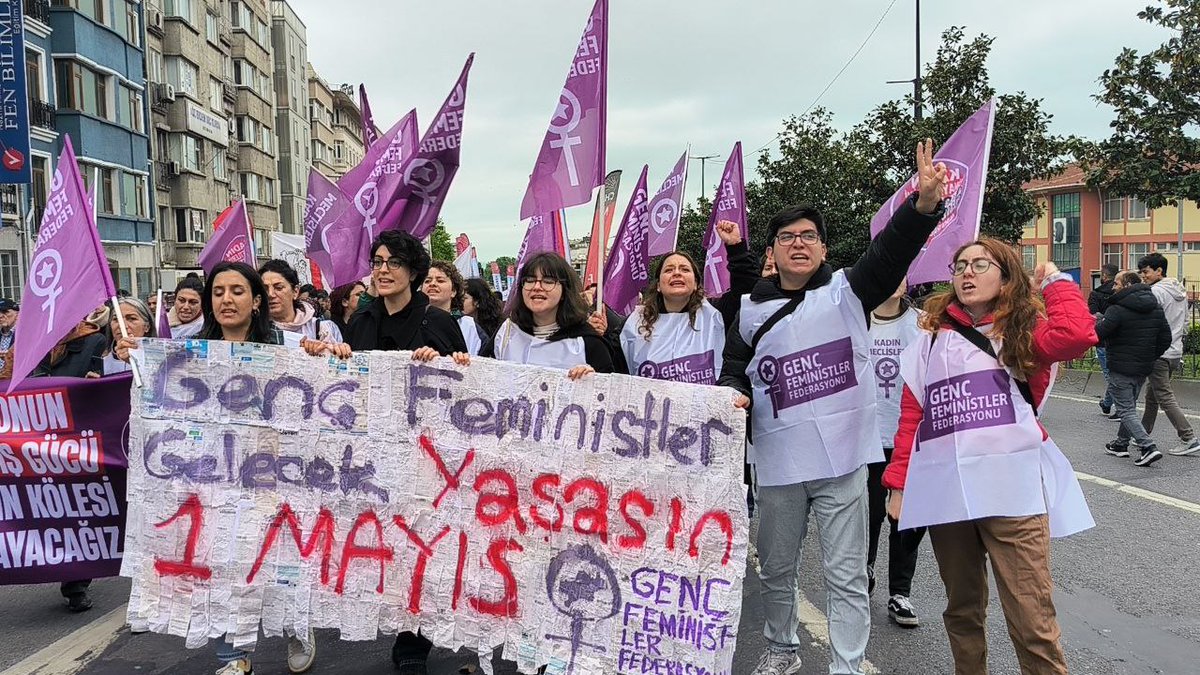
[(549, 325), (445, 288), (676, 334), (989, 483)]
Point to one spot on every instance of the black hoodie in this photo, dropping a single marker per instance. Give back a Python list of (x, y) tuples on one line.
[(1134, 330), (417, 325)]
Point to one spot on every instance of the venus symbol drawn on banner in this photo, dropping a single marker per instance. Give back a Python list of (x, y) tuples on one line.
[(583, 586), (570, 109)]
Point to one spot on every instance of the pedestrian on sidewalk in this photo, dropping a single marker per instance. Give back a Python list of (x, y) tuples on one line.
[(1136, 333), (973, 385), (893, 328), (1172, 296), (814, 428), (1097, 303)]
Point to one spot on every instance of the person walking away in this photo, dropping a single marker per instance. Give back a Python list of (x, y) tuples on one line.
[(1097, 303), (799, 351), (893, 327), (1135, 331)]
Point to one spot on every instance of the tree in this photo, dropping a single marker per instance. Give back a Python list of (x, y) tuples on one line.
[(1153, 153), (956, 84), (440, 245)]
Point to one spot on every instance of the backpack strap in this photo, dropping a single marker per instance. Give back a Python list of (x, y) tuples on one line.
[(774, 319), (985, 345)]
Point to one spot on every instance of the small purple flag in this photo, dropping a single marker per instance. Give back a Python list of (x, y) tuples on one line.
[(370, 132), (729, 204), (162, 324), (232, 240), (665, 208), (628, 267), (539, 238), (69, 275), (571, 162), (965, 155), (428, 175)]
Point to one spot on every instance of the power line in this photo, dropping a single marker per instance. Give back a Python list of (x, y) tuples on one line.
[(835, 77)]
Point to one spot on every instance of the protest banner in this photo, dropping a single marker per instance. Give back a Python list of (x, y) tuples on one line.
[(596, 526), (62, 479)]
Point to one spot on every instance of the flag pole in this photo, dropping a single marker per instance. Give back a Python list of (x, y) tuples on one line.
[(603, 249), (158, 312), (250, 234)]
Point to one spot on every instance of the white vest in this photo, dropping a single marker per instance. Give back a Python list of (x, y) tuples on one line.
[(978, 452), (313, 329), (676, 351), (888, 340), (814, 387), (471, 334), (517, 346)]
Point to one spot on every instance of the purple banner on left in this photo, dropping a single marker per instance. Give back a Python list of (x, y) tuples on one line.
[(62, 479)]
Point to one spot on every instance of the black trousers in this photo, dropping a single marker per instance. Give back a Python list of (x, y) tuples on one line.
[(902, 544), (69, 588), (411, 646)]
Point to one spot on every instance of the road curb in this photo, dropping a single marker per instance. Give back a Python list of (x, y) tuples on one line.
[(70, 653)]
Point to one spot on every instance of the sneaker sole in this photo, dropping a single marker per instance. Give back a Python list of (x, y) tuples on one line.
[(1117, 453), (1149, 459), (904, 621), (1185, 452)]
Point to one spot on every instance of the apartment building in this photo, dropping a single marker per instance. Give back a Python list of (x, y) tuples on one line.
[(289, 41), (253, 75)]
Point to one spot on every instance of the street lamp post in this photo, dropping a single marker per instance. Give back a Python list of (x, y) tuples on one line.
[(918, 103)]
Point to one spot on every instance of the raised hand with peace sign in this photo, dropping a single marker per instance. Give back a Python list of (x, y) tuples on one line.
[(931, 178)]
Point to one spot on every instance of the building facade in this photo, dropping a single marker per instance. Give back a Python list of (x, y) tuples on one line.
[(320, 120), (348, 146), (289, 41), (253, 75), (1081, 229), (97, 68)]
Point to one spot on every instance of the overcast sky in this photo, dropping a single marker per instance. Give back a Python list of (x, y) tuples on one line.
[(699, 72)]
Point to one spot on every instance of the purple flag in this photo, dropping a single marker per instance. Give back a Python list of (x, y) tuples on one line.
[(427, 176), (965, 155), (665, 208), (231, 241), (571, 162), (323, 210), (69, 275), (162, 323), (628, 267), (729, 204), (370, 133), (539, 238)]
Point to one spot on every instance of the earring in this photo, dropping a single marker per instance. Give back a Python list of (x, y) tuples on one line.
[(254, 313)]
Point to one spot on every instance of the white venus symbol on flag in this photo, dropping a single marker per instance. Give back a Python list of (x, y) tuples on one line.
[(568, 107), (46, 282)]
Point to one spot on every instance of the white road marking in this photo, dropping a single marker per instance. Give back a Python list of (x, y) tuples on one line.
[(70, 653), (1094, 401), (1158, 497)]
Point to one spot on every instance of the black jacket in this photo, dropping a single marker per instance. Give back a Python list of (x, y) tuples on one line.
[(1134, 330), (596, 351), (422, 326), (873, 279), (83, 355), (1098, 299)]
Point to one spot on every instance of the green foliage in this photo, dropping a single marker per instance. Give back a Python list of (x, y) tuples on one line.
[(440, 245), (1153, 153)]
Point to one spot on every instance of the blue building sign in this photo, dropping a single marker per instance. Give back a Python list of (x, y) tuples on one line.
[(14, 95)]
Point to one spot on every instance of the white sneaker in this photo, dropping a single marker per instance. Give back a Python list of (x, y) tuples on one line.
[(1186, 448), (778, 663), (300, 658), (239, 667)]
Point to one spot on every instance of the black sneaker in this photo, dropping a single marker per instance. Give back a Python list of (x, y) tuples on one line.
[(1117, 448), (901, 610), (1149, 456), (1106, 409), (80, 602), (870, 579)]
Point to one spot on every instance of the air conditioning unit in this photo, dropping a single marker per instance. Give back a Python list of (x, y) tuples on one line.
[(168, 92), (172, 168), (1059, 225)]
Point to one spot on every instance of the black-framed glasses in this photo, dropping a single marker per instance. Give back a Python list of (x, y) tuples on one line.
[(978, 266), (548, 283), (377, 263), (788, 238)]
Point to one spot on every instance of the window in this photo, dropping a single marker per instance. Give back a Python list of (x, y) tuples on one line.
[(259, 242), (1136, 251), (1065, 216), (9, 284), (214, 94), (190, 226), (1137, 209), (242, 16), (212, 27), (183, 75), (124, 278), (154, 65), (106, 196), (132, 25), (39, 184), (1029, 257), (219, 165), (249, 185), (132, 113), (1111, 254), (145, 282), (1114, 209), (133, 195), (33, 75), (180, 8), (1191, 246), (187, 151), (81, 88), (339, 150)]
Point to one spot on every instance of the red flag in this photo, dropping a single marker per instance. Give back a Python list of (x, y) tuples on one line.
[(606, 205)]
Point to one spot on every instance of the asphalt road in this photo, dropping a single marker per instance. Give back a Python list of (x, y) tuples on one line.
[(1126, 591)]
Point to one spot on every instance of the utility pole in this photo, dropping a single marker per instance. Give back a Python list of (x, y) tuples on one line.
[(703, 160), (918, 102)]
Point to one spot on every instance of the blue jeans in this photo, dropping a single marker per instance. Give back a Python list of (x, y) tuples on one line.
[(1124, 390), (1102, 359), (226, 652)]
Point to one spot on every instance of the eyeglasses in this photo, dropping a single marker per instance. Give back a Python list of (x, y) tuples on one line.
[(392, 263), (548, 283), (788, 238), (978, 266)]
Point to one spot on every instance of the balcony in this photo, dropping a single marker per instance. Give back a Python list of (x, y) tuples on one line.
[(38, 9), (42, 114)]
